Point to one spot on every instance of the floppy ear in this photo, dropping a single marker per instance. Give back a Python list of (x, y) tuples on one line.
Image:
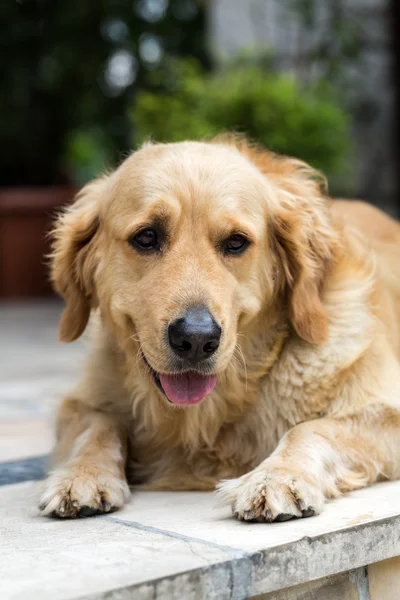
[(302, 232), (73, 259), (305, 241)]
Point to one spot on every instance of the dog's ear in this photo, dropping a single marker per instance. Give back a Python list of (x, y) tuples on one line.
[(305, 241), (73, 258), (303, 237)]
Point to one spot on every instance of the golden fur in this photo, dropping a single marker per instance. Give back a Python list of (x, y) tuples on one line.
[(308, 381)]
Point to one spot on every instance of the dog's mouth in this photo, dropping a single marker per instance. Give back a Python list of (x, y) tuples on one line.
[(183, 389)]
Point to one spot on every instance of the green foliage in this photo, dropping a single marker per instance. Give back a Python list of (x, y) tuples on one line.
[(87, 154), (271, 108)]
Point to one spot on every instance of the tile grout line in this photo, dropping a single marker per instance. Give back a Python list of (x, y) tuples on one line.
[(234, 553), (360, 578), (240, 563)]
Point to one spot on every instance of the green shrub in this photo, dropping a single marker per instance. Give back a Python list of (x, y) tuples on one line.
[(271, 108)]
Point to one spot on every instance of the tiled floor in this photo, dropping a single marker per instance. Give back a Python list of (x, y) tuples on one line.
[(161, 546), (35, 370)]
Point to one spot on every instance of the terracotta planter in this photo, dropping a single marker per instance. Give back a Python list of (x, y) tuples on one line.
[(26, 215)]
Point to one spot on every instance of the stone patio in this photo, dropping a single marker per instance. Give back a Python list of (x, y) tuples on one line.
[(163, 545)]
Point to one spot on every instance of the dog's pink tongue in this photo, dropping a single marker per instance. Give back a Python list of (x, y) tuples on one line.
[(188, 388)]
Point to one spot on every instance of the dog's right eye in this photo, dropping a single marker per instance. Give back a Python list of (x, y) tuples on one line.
[(145, 240)]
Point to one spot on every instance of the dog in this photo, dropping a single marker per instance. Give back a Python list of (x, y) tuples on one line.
[(245, 335)]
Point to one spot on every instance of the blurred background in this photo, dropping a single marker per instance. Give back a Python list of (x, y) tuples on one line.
[(83, 83)]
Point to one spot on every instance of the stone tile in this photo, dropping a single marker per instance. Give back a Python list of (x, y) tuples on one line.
[(328, 588), (197, 514), (165, 546), (29, 343), (30, 397), (23, 438), (36, 371), (44, 559), (27, 469), (352, 530), (384, 579)]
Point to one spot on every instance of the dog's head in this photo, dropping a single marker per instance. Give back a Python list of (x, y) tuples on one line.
[(186, 245)]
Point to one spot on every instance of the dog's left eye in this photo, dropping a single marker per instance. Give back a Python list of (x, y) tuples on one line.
[(236, 244), (147, 239)]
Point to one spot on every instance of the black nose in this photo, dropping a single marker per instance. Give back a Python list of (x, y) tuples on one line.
[(196, 336)]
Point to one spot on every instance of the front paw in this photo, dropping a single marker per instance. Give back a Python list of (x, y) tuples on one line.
[(82, 492), (270, 494)]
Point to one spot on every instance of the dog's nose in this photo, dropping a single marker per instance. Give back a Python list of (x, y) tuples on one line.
[(196, 336)]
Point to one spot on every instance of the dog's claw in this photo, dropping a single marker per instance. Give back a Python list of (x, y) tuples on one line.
[(248, 515), (268, 515), (301, 505), (283, 517)]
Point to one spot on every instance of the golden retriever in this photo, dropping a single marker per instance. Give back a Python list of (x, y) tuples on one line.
[(245, 335)]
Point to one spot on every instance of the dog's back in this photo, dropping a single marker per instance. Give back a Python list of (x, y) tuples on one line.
[(382, 233)]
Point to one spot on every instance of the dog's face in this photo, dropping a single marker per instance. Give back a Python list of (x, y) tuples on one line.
[(183, 248)]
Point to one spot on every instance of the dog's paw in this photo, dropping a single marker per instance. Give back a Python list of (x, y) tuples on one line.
[(74, 492), (267, 495)]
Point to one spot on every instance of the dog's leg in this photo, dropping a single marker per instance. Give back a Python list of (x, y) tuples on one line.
[(88, 476), (317, 460)]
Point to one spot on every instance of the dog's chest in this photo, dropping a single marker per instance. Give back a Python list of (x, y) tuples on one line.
[(165, 458), (226, 435)]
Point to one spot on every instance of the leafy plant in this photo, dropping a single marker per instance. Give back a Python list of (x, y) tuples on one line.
[(271, 108)]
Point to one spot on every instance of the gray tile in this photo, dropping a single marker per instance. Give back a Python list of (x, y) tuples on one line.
[(44, 559), (28, 469)]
